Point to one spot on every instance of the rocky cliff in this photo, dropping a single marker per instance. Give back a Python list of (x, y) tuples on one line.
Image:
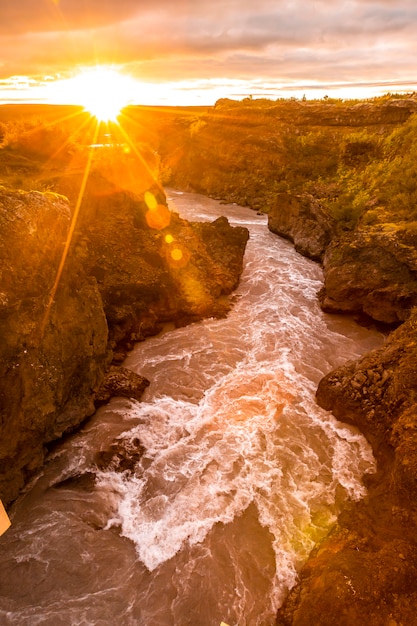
[(365, 570), (52, 355), (250, 151), (373, 271), (302, 220), (130, 266), (339, 181), (368, 272)]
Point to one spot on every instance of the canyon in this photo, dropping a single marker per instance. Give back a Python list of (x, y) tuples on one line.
[(336, 180)]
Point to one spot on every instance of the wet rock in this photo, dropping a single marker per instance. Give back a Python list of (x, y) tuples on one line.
[(83, 482), (120, 381), (302, 220), (122, 456)]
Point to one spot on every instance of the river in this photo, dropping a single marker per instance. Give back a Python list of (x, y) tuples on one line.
[(241, 473)]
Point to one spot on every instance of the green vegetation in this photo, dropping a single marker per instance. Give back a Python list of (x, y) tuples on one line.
[(379, 183), (357, 157)]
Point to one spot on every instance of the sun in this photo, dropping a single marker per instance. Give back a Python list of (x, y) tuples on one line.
[(102, 91)]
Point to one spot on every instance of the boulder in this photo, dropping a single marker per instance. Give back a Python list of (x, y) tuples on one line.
[(120, 381), (123, 455), (224, 246), (302, 220), (372, 271)]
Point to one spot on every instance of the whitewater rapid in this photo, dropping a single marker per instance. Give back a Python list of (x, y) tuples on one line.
[(242, 473)]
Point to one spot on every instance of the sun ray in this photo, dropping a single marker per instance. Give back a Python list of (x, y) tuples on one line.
[(32, 128), (69, 237), (84, 123), (134, 149)]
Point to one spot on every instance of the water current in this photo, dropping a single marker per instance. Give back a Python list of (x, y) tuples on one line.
[(242, 472)]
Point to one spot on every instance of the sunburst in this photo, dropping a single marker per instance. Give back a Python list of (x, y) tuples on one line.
[(102, 91)]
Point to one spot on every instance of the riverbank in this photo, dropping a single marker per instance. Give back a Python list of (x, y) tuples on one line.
[(339, 182), (77, 291), (365, 570)]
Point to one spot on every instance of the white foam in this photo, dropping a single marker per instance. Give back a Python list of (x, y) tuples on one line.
[(230, 419), (249, 439), (233, 436)]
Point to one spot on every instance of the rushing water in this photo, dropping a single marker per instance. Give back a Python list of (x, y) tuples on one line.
[(242, 471)]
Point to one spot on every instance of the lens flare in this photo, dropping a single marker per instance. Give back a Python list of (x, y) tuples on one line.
[(158, 217), (68, 241), (150, 200), (176, 254)]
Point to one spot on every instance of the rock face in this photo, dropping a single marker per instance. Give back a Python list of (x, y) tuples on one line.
[(302, 220), (378, 394), (372, 271), (151, 266), (361, 114), (366, 569), (131, 265), (52, 358)]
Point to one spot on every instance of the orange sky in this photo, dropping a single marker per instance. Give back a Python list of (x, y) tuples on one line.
[(195, 51)]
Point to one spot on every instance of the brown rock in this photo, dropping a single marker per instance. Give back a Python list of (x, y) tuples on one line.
[(52, 355), (365, 571), (302, 220), (122, 456), (371, 271), (120, 381), (151, 272)]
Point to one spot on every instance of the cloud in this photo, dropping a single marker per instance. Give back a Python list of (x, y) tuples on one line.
[(269, 40), (209, 17), (22, 16)]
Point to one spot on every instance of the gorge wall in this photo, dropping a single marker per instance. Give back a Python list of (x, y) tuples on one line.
[(365, 570), (339, 181), (130, 267)]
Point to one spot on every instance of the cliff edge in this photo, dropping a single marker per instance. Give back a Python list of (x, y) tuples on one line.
[(365, 570), (68, 303)]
